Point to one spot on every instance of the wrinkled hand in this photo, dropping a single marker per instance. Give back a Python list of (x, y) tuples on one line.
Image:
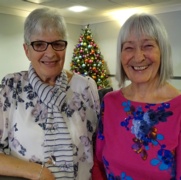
[(46, 174)]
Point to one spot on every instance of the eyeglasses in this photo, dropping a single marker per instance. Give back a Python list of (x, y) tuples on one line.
[(41, 46)]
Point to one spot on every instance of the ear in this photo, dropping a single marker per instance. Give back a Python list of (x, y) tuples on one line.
[(26, 49)]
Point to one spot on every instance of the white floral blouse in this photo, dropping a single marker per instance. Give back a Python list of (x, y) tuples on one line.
[(50, 125)]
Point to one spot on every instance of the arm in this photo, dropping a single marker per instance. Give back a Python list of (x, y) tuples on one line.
[(98, 171), (11, 166), (178, 158), (94, 96)]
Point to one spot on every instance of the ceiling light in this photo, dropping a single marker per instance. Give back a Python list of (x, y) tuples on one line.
[(37, 1), (123, 15), (78, 8)]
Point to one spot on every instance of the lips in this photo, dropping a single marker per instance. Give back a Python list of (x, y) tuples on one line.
[(49, 62), (139, 68)]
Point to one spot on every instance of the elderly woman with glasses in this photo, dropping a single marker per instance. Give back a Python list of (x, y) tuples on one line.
[(47, 115)]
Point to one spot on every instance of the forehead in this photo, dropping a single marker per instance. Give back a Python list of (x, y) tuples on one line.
[(46, 35), (136, 38), (137, 31)]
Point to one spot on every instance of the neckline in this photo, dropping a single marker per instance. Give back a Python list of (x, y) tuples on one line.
[(175, 99)]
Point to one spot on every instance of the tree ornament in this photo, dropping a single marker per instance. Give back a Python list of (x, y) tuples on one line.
[(87, 59)]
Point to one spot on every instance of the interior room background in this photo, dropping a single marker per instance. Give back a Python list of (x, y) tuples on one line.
[(13, 59)]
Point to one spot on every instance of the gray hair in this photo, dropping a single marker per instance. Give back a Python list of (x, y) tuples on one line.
[(44, 19), (145, 24)]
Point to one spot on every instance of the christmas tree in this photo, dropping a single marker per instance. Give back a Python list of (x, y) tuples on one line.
[(87, 59)]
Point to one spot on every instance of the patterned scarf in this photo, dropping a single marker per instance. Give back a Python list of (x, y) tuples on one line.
[(58, 149)]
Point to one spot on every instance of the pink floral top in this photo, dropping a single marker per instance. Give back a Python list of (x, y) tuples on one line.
[(138, 141)]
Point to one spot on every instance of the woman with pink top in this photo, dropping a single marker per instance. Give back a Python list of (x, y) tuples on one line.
[(139, 133)]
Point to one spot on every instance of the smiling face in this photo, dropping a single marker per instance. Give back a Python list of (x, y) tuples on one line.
[(49, 63), (140, 59)]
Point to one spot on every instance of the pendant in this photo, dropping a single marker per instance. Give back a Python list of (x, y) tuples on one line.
[(52, 160)]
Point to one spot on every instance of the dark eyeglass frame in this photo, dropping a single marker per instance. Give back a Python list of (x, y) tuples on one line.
[(47, 44)]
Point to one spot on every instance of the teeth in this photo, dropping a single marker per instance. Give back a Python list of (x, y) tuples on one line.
[(139, 68), (48, 62)]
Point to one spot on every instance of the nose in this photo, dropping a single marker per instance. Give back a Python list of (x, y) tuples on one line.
[(50, 47), (50, 52), (139, 55)]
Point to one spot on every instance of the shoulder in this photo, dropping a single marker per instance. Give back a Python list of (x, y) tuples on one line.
[(74, 76), (170, 93), (15, 77), (69, 75), (176, 101), (14, 82), (82, 81), (113, 95)]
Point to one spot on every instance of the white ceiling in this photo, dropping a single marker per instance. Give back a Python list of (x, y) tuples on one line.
[(99, 10)]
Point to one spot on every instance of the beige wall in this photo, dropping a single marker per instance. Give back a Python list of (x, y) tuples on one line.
[(12, 57)]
